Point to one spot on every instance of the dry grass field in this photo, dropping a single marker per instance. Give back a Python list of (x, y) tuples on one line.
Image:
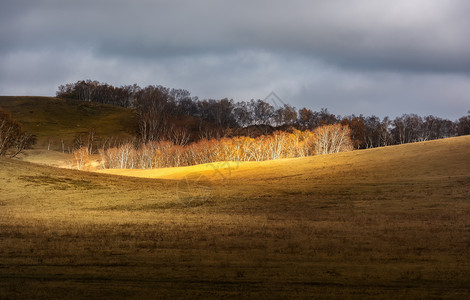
[(388, 223)]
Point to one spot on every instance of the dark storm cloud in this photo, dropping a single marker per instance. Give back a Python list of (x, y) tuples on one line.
[(347, 54)]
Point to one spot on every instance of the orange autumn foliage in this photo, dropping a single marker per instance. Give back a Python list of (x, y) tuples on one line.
[(161, 154)]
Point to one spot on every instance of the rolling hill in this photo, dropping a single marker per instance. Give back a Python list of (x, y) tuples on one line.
[(419, 160), (390, 222), (53, 120)]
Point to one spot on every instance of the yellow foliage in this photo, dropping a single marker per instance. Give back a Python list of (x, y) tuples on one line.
[(281, 144), (81, 158)]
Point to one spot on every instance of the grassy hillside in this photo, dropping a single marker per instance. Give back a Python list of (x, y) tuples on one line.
[(419, 161), (52, 119), (381, 223)]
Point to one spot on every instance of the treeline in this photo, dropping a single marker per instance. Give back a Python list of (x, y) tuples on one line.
[(160, 111), (161, 154)]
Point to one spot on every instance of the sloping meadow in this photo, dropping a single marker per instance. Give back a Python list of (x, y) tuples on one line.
[(380, 223)]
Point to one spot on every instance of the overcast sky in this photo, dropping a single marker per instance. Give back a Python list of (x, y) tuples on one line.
[(376, 57)]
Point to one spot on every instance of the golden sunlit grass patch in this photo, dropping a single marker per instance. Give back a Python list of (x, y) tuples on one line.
[(381, 223)]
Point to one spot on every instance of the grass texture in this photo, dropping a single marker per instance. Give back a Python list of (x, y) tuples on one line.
[(388, 223)]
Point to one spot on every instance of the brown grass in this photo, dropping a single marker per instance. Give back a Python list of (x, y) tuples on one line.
[(381, 223)]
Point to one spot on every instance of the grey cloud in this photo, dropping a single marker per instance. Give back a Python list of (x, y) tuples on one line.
[(378, 34), (321, 53)]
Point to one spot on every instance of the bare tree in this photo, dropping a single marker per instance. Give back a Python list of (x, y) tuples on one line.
[(12, 138), (285, 115), (154, 109), (180, 136), (242, 114), (81, 158), (332, 139), (463, 125), (262, 112)]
